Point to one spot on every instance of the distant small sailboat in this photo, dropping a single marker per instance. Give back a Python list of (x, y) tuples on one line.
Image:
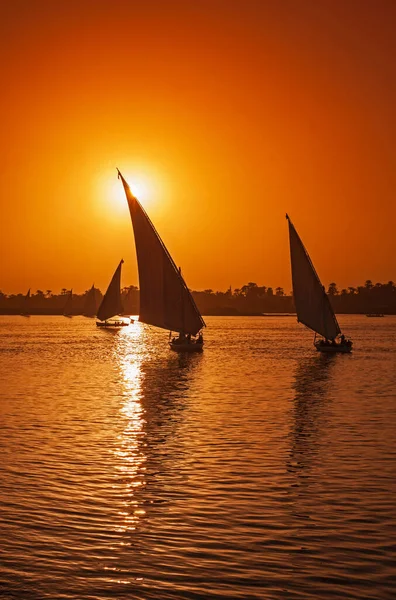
[(111, 305), (25, 309), (165, 300), (311, 301), (90, 303), (67, 311)]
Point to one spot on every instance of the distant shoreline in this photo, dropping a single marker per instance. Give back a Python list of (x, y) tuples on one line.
[(249, 300)]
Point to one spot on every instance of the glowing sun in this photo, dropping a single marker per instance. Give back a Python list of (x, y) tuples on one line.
[(113, 193)]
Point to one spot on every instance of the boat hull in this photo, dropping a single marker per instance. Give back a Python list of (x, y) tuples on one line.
[(191, 347), (330, 349), (112, 323)]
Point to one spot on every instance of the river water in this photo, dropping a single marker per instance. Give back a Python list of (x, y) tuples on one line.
[(259, 469)]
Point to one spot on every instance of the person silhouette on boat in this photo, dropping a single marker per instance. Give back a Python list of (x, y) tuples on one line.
[(199, 339), (181, 339)]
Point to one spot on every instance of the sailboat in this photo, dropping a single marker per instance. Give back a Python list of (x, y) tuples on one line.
[(311, 301), (25, 312), (111, 305), (165, 300), (67, 311), (90, 303)]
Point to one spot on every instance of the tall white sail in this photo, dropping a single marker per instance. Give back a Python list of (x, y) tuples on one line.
[(311, 301), (111, 304), (165, 300)]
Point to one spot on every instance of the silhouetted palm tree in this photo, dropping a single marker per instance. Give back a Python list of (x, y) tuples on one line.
[(332, 291)]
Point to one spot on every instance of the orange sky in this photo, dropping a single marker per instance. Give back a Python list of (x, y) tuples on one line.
[(226, 113)]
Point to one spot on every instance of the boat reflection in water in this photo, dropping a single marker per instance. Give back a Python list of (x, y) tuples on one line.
[(155, 386), (311, 401)]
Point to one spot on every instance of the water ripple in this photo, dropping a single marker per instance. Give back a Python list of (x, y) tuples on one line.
[(259, 469)]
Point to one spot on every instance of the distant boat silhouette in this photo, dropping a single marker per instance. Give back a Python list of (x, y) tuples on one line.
[(90, 303), (25, 308), (67, 310), (165, 300), (311, 301), (374, 315), (111, 304)]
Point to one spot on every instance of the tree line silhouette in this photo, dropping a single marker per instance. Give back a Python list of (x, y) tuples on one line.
[(250, 299)]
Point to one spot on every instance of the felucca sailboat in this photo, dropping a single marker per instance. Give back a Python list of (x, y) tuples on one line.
[(25, 312), (111, 304), (90, 303), (165, 300), (67, 311), (311, 301)]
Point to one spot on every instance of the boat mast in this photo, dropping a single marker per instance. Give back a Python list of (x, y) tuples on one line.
[(182, 302)]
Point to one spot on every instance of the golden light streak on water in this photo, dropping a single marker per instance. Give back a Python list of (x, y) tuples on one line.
[(129, 353)]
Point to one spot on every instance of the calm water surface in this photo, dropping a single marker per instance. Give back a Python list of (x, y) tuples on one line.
[(259, 469)]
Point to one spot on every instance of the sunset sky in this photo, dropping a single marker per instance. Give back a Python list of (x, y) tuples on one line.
[(222, 115)]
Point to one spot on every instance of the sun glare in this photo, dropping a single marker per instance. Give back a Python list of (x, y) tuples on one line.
[(112, 192), (140, 190), (115, 197)]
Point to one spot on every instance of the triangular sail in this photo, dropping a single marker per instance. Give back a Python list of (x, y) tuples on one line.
[(67, 311), (165, 300), (90, 303), (311, 301), (26, 304), (111, 304)]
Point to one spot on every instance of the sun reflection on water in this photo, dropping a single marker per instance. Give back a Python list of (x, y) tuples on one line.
[(153, 388), (130, 352)]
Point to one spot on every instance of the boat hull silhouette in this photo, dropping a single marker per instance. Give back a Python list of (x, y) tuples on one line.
[(186, 347), (113, 323), (332, 348)]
